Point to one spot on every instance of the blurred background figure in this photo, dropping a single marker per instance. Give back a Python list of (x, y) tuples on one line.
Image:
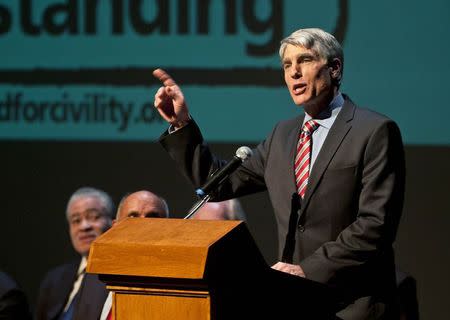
[(407, 296), (89, 213), (13, 302), (223, 210)]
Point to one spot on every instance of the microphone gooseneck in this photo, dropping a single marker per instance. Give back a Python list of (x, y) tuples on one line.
[(242, 154)]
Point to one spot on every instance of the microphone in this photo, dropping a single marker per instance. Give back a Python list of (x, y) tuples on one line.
[(242, 154)]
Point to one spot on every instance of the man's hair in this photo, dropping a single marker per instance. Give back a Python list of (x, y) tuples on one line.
[(164, 202), (317, 40), (106, 200)]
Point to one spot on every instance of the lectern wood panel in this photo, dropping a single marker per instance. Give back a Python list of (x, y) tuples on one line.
[(147, 247), (173, 305)]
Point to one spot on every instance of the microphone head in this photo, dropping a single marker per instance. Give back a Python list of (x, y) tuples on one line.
[(244, 153)]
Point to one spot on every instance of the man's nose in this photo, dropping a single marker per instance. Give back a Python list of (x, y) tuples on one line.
[(296, 72), (85, 224)]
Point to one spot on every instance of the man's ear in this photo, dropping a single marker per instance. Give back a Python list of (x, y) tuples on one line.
[(335, 67)]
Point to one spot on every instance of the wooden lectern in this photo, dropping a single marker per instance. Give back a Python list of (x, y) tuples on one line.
[(196, 269)]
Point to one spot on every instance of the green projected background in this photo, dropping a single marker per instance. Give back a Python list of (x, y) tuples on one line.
[(81, 70)]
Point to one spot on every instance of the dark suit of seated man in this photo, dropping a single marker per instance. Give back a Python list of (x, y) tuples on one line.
[(13, 302)]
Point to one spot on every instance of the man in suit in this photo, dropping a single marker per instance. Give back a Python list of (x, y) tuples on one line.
[(89, 213), (13, 302), (335, 176)]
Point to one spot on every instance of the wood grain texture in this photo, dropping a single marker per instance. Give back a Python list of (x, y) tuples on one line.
[(170, 248), (161, 305)]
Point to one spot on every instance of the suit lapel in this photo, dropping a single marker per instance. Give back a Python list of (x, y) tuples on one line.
[(64, 285), (338, 131)]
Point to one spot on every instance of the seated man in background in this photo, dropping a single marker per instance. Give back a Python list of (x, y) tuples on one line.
[(13, 302), (89, 213), (223, 210), (140, 204)]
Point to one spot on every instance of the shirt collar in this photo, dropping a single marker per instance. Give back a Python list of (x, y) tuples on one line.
[(327, 116)]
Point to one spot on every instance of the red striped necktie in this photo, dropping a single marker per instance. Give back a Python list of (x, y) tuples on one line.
[(302, 158)]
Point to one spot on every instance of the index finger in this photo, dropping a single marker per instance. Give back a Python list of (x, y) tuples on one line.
[(164, 77)]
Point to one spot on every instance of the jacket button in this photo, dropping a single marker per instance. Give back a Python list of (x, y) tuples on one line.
[(301, 228)]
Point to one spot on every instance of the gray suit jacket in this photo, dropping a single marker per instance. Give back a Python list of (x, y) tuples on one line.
[(342, 232)]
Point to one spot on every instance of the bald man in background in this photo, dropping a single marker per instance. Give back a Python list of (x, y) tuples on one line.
[(140, 204), (224, 210)]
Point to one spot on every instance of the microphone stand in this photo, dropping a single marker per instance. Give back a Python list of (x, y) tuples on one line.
[(218, 177), (200, 203)]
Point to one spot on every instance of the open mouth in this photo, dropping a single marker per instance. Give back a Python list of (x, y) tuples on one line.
[(299, 88)]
